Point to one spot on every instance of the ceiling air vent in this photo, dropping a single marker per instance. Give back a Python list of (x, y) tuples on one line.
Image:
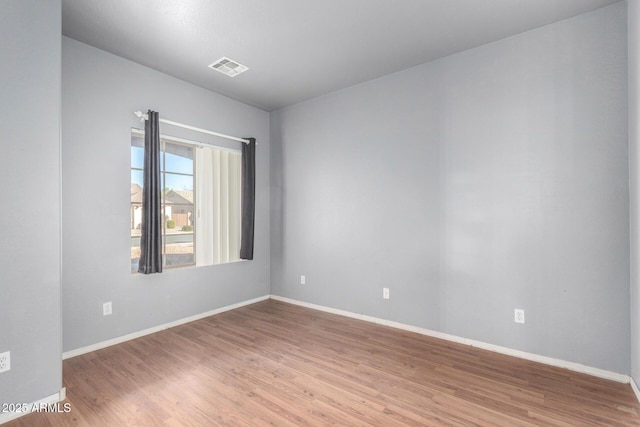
[(228, 67)]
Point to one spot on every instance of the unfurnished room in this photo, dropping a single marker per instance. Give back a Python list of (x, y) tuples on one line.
[(340, 212)]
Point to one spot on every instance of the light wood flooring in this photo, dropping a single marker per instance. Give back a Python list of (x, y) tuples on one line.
[(273, 363)]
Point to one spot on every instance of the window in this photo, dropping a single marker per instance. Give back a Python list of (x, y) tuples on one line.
[(200, 202)]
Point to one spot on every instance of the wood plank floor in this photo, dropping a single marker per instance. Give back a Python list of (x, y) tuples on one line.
[(273, 363)]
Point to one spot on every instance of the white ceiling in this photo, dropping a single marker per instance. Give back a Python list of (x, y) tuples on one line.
[(300, 49)]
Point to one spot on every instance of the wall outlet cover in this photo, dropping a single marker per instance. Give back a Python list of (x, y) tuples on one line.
[(107, 308), (5, 361)]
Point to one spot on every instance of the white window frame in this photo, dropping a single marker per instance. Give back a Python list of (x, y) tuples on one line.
[(216, 238)]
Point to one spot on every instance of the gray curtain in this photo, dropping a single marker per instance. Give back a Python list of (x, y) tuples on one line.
[(248, 198), (151, 228)]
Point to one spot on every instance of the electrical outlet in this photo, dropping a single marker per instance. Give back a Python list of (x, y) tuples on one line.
[(518, 316), (5, 361), (385, 293), (107, 308), (303, 280)]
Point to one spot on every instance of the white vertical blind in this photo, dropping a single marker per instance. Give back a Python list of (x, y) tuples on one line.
[(204, 206), (218, 199), (235, 213)]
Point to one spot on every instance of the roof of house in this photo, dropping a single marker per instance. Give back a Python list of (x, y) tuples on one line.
[(172, 197), (136, 193)]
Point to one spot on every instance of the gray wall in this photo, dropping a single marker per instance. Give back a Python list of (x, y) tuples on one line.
[(634, 180), (489, 180), (100, 93), (30, 322)]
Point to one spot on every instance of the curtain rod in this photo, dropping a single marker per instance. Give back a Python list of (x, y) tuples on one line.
[(144, 117), (140, 132)]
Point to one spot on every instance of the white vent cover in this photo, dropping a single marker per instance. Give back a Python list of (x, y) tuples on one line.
[(228, 67)]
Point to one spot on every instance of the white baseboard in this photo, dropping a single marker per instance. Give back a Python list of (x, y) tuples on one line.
[(128, 337), (5, 417), (576, 367), (635, 388)]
